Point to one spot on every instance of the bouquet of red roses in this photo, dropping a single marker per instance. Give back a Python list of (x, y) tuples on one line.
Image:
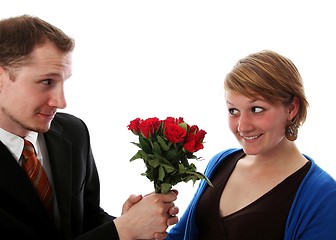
[(165, 147)]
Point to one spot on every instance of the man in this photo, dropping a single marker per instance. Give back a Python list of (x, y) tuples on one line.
[(35, 60)]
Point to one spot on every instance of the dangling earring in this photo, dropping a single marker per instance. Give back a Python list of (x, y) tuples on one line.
[(291, 131)]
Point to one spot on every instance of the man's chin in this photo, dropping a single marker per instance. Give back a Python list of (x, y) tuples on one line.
[(40, 129)]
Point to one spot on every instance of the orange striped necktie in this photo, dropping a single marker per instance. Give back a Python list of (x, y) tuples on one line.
[(37, 176)]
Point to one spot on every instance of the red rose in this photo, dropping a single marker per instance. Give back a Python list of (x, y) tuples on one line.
[(194, 141), (174, 133), (171, 120), (149, 126), (193, 129), (192, 144), (165, 147), (201, 134), (134, 126)]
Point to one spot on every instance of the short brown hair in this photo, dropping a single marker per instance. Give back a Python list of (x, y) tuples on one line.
[(19, 35), (270, 76)]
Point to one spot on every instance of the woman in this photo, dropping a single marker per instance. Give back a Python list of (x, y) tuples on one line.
[(268, 189)]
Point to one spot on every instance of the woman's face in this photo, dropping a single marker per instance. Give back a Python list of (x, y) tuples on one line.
[(259, 126)]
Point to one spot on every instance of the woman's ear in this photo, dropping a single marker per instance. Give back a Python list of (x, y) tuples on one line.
[(2, 70), (293, 108)]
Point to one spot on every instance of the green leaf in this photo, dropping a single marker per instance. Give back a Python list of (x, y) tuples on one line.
[(181, 168), (153, 163), (201, 176), (165, 187), (136, 144), (144, 155), (144, 144), (162, 143), (168, 168), (172, 154), (161, 173), (184, 125), (157, 149), (136, 156), (185, 162)]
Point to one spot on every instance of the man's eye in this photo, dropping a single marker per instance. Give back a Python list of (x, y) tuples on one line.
[(257, 109), (47, 81)]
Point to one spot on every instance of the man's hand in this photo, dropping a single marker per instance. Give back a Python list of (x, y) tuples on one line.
[(145, 217)]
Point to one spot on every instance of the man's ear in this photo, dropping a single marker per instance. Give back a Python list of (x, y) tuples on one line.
[(2, 75), (293, 108)]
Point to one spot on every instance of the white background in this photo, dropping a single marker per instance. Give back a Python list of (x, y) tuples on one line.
[(157, 58)]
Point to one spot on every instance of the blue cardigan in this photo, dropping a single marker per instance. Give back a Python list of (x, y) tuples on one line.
[(311, 216)]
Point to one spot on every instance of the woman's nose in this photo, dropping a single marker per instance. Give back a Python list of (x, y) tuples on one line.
[(244, 123)]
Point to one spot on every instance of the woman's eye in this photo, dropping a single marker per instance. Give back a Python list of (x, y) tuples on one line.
[(233, 111), (257, 109)]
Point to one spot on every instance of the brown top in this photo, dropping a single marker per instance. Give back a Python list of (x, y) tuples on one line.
[(264, 218)]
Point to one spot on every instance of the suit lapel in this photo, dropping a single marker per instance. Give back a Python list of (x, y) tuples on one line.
[(59, 151), (15, 185)]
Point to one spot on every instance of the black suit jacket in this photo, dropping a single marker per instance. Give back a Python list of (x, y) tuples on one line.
[(76, 182)]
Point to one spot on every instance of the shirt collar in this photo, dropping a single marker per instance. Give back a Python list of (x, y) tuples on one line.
[(14, 143)]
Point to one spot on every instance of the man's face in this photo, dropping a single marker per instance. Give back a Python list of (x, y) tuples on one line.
[(30, 100)]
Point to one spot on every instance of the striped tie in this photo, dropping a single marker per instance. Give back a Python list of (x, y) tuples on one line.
[(37, 176)]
